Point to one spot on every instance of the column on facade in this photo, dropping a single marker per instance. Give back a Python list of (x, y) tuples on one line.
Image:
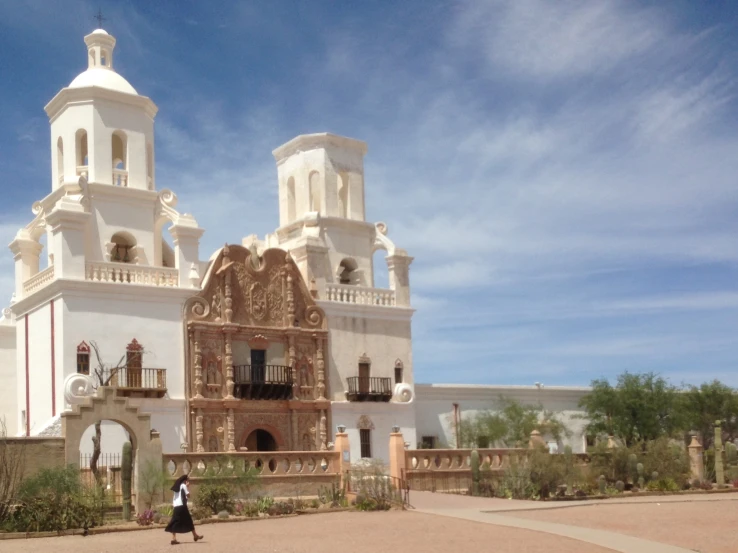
[(186, 236), (320, 365), (295, 430), (198, 432), (26, 253), (398, 266), (228, 360), (197, 363), (67, 239), (231, 431)]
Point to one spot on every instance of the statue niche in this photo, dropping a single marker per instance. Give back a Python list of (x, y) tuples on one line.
[(305, 379)]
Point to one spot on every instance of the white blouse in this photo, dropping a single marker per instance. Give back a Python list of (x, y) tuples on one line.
[(178, 496)]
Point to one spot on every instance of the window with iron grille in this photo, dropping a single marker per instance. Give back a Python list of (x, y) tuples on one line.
[(428, 442), (365, 437)]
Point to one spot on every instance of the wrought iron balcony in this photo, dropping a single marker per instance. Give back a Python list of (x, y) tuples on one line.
[(135, 382), (262, 381), (372, 388)]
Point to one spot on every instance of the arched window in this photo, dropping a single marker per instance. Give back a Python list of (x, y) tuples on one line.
[(83, 358), (347, 272), (81, 149), (104, 58), (290, 199), (315, 199), (122, 245), (60, 160), (343, 195), (399, 369), (119, 151)]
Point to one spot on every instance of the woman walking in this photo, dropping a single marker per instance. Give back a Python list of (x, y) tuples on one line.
[(181, 522)]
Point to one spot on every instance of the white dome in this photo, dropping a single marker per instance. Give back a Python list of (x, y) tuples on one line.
[(104, 78), (99, 32)]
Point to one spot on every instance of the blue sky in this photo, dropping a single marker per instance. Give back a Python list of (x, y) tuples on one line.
[(565, 173)]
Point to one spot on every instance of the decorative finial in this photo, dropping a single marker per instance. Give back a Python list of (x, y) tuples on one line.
[(99, 18)]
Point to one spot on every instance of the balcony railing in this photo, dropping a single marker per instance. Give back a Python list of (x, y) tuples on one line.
[(135, 382), (39, 280), (372, 388), (126, 273), (120, 177), (262, 381), (346, 293)]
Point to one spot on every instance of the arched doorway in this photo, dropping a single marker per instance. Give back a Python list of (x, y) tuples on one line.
[(261, 440)]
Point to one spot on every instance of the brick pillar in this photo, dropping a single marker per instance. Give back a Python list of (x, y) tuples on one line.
[(696, 461), (341, 444), (397, 455)]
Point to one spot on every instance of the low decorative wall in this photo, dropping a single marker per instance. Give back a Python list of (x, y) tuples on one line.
[(449, 470), (281, 473), (39, 452)]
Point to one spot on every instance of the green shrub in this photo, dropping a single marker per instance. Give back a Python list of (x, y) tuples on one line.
[(165, 509), (216, 497), (55, 500), (546, 472), (201, 513), (516, 482)]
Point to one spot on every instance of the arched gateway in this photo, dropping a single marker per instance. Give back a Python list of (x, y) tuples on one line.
[(106, 405)]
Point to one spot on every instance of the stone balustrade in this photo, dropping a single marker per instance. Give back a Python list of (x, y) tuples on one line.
[(346, 293), (266, 463), (458, 460), (125, 273), (39, 280), (120, 177)]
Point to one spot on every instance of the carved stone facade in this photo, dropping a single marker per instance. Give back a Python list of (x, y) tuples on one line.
[(256, 356)]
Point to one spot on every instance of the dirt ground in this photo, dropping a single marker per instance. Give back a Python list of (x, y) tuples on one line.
[(705, 526), (347, 531)]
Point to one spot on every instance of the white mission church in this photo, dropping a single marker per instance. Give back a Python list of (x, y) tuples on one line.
[(263, 345)]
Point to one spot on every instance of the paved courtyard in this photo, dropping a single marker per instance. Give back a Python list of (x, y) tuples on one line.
[(443, 523), (348, 531)]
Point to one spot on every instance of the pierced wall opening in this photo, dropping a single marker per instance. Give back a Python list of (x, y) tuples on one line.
[(343, 195), (347, 272), (119, 154), (291, 199), (380, 273), (60, 159), (315, 195), (150, 166), (81, 148), (123, 248)]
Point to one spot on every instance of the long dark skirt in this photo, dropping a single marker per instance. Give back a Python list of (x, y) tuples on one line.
[(181, 522)]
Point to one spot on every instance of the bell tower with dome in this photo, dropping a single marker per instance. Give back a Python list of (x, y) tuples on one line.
[(101, 128), (108, 277)]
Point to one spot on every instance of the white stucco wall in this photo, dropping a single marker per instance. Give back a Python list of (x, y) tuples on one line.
[(374, 333), (434, 407), (383, 417), (8, 380), (113, 320)]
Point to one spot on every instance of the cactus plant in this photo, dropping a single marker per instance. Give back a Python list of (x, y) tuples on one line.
[(719, 469), (654, 475), (731, 453), (602, 483), (620, 485), (126, 471), (633, 466), (475, 472)]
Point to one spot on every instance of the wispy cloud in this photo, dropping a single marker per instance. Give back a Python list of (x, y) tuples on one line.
[(563, 172)]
